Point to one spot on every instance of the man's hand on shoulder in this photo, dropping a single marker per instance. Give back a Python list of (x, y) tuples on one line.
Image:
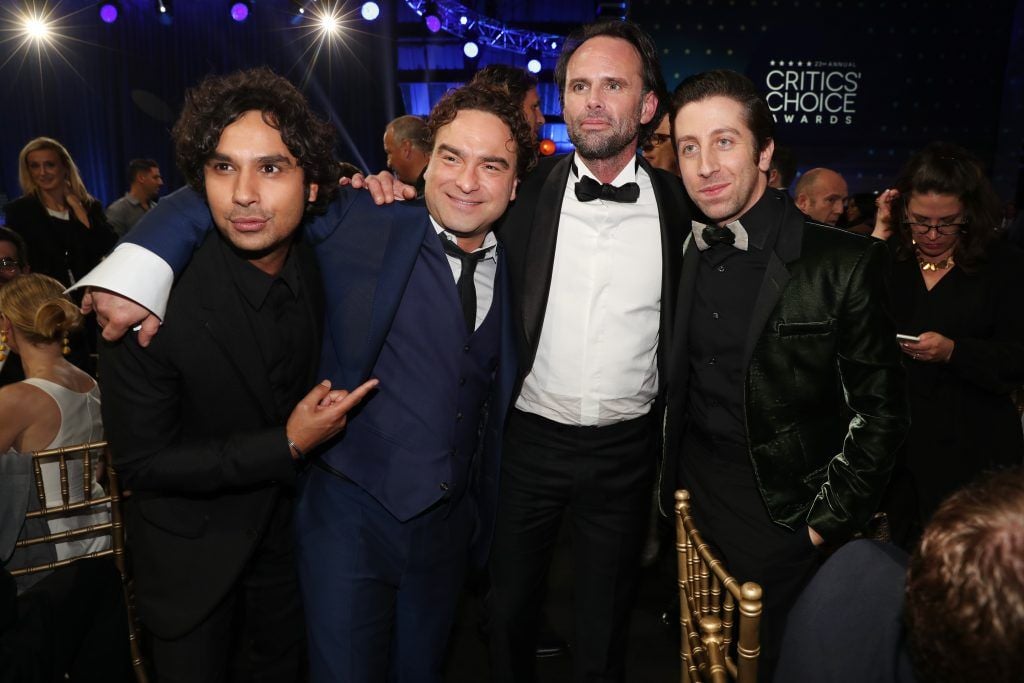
[(117, 315), (384, 187), (322, 414)]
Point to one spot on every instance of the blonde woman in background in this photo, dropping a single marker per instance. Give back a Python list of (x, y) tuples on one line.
[(56, 405), (62, 224)]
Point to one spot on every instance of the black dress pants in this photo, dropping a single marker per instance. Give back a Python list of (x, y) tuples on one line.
[(257, 633), (732, 517), (601, 477)]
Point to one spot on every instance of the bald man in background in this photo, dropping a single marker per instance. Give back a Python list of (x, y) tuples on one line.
[(821, 195)]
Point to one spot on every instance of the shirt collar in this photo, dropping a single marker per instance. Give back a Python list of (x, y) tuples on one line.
[(490, 241), (626, 175), (756, 228), (253, 283), (131, 199)]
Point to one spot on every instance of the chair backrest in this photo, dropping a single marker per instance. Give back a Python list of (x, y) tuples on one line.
[(72, 513), (707, 614), (65, 485)]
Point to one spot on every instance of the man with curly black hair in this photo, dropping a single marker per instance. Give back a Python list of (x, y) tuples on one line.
[(392, 513), (207, 423)]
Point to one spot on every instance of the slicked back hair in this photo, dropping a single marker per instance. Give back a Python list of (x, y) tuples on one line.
[(650, 65), (736, 87)]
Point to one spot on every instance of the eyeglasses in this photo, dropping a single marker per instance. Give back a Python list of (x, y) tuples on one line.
[(947, 229), (656, 140), (7, 263)]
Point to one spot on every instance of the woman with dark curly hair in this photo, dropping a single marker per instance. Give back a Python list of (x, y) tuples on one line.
[(957, 297), (62, 224)]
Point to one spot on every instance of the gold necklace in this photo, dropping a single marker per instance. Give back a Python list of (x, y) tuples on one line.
[(944, 264)]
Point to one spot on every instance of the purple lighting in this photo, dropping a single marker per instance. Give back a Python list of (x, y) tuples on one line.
[(239, 11), (433, 23), (108, 13)]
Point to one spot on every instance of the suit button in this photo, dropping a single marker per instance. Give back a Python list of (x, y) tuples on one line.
[(720, 268), (715, 315), (465, 348), (452, 452), (444, 486), (458, 417), (462, 381), (712, 360)]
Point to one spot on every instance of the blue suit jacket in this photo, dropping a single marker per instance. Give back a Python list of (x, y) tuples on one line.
[(363, 286)]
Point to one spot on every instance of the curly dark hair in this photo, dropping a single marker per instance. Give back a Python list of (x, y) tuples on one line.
[(736, 87), (218, 101), (965, 585), (650, 65), (493, 100), (517, 81), (945, 168)]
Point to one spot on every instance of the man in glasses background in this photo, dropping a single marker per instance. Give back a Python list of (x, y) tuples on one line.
[(658, 149)]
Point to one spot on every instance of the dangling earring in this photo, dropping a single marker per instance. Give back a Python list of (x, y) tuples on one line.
[(3, 345), (65, 346)]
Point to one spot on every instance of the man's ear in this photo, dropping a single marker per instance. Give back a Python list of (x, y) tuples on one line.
[(802, 201), (515, 186), (406, 146), (311, 192), (764, 159), (650, 106)]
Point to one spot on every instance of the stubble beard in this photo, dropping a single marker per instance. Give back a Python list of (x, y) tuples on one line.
[(600, 145)]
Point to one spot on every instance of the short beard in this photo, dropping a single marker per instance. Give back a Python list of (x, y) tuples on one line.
[(601, 146)]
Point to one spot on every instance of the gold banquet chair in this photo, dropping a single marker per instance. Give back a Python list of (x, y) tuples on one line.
[(75, 474), (707, 614)]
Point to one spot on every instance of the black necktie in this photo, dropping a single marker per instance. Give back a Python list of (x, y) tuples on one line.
[(465, 285), (588, 189), (714, 234)]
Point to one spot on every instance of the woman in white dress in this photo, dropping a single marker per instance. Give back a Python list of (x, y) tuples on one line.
[(56, 405)]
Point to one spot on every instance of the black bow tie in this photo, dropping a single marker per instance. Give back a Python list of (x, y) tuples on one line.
[(714, 234), (588, 189)]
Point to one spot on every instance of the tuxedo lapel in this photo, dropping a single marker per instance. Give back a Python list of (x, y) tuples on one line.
[(672, 216), (540, 251), (776, 277), (680, 357), (394, 251)]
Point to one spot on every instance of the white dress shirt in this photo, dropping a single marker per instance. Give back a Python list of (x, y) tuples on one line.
[(596, 361), (486, 269)]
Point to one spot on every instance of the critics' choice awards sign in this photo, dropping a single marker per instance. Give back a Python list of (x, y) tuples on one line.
[(812, 92)]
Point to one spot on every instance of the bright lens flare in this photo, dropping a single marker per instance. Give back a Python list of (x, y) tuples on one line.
[(36, 28), (329, 22)]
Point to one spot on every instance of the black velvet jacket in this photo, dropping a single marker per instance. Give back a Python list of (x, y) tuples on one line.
[(825, 392)]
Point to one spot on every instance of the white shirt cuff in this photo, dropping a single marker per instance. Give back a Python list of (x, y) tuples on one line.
[(136, 273)]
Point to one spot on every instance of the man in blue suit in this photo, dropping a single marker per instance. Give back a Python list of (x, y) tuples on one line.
[(395, 507)]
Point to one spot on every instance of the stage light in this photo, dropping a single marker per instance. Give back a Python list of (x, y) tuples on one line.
[(533, 65), (471, 49), (463, 20), (109, 12), (240, 11), (165, 9), (329, 22), (554, 44), (36, 28), (546, 147), (432, 17), (370, 11)]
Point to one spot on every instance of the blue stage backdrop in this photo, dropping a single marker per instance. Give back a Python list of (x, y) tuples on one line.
[(857, 85)]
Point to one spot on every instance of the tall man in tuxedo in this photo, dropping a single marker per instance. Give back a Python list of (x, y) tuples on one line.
[(206, 424), (593, 284), (394, 509), (787, 398)]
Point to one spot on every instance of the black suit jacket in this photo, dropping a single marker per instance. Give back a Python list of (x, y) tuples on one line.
[(529, 231), (825, 391), (48, 252), (197, 438)]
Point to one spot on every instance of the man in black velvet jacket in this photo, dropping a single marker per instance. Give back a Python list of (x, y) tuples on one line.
[(786, 395)]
